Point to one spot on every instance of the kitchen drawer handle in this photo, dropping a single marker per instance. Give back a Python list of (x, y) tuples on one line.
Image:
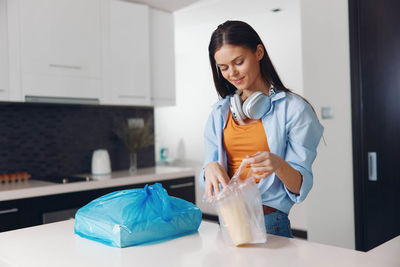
[(175, 186), (64, 66), (8, 211), (62, 100)]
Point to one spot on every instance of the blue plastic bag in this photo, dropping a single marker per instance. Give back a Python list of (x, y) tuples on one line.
[(136, 216)]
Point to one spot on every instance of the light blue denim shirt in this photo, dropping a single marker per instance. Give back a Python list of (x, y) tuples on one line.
[(293, 133)]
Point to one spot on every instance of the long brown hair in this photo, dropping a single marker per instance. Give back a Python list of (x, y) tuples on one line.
[(242, 34)]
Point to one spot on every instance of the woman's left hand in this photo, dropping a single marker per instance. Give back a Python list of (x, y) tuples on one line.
[(264, 163)]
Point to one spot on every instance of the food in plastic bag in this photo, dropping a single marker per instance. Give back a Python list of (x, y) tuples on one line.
[(239, 210), (135, 216)]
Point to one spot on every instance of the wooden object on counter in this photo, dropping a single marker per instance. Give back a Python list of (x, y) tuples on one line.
[(14, 177)]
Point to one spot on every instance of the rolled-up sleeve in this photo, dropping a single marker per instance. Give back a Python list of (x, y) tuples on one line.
[(210, 146), (304, 134)]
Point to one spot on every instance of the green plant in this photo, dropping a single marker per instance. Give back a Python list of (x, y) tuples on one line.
[(135, 137)]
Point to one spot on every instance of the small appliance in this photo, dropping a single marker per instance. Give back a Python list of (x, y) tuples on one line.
[(101, 164)]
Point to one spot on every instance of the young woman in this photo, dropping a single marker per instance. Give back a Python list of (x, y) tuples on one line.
[(257, 118)]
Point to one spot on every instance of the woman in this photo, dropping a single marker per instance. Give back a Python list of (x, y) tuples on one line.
[(279, 143)]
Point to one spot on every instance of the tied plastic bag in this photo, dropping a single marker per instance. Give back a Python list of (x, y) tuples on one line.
[(136, 216), (239, 210)]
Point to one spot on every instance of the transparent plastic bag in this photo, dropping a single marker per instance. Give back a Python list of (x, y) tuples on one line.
[(239, 210), (136, 216)]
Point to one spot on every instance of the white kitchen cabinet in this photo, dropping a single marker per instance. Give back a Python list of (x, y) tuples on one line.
[(114, 51), (60, 48), (128, 57), (162, 58), (4, 88)]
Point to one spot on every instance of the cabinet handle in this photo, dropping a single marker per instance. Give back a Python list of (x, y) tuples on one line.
[(8, 211), (65, 66), (175, 186), (161, 98), (372, 170), (131, 96)]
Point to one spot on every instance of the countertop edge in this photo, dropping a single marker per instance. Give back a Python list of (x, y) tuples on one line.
[(204, 248), (147, 175)]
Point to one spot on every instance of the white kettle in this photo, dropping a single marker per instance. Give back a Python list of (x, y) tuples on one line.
[(101, 164)]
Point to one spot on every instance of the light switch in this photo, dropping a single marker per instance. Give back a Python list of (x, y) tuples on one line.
[(327, 113)]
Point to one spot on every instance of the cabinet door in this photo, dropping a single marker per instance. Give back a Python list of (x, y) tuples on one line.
[(182, 188), (17, 214), (162, 58), (129, 53), (12, 219), (3, 52), (61, 48)]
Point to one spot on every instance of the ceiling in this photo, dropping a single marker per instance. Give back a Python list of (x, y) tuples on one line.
[(166, 5)]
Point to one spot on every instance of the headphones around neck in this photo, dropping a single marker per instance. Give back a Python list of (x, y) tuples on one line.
[(254, 107)]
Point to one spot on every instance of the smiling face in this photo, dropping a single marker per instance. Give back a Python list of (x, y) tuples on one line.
[(240, 66)]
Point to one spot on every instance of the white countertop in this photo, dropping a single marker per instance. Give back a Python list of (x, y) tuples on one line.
[(34, 188), (56, 245), (388, 249)]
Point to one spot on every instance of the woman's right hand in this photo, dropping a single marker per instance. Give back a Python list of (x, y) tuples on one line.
[(214, 175)]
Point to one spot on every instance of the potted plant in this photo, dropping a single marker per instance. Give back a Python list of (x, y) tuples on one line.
[(135, 136)]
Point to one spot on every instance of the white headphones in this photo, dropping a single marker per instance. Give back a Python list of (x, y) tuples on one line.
[(254, 107)]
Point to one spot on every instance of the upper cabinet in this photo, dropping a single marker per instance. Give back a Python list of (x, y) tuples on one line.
[(129, 54), (93, 51), (162, 56), (3, 53), (60, 48)]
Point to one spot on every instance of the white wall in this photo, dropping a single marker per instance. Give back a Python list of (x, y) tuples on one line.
[(326, 70), (180, 128), (3, 52)]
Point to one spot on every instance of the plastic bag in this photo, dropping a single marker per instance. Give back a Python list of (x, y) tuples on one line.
[(135, 216), (239, 210)]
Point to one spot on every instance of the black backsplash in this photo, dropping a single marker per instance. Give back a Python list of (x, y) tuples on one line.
[(58, 139)]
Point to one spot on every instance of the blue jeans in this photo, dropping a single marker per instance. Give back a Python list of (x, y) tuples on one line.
[(278, 223)]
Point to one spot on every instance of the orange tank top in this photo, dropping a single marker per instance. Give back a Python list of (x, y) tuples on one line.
[(243, 140)]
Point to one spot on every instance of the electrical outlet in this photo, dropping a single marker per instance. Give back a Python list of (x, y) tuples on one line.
[(135, 122)]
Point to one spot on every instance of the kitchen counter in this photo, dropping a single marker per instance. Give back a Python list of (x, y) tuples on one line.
[(56, 245), (35, 188), (388, 249)]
